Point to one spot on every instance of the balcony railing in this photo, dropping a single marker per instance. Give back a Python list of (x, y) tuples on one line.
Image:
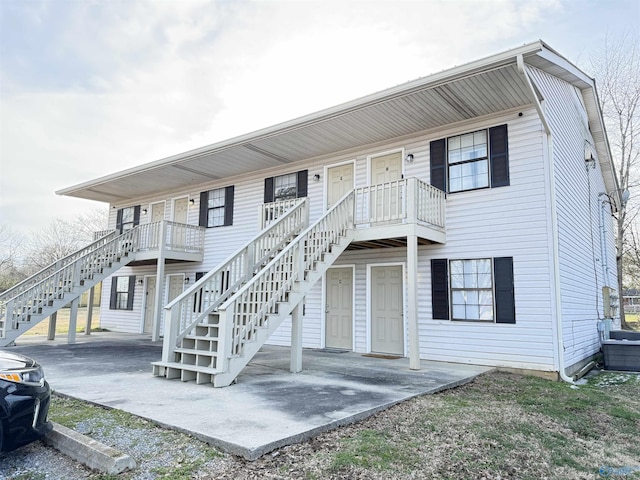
[(177, 237), (401, 201)]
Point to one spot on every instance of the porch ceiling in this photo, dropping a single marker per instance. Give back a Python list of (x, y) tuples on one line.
[(480, 88)]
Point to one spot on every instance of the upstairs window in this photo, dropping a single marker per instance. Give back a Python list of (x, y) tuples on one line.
[(127, 218), (216, 207), (468, 161), (471, 161), (286, 187)]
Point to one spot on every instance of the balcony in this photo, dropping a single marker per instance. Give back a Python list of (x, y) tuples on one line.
[(174, 242), (386, 214)]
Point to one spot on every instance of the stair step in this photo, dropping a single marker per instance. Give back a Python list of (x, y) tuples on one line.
[(186, 373), (193, 351), (201, 337)]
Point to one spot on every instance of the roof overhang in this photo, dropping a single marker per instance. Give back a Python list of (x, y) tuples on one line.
[(460, 94)]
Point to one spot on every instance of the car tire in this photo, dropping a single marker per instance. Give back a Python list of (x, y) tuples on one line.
[(1, 437)]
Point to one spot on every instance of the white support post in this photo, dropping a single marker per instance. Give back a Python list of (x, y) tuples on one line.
[(53, 318), (249, 257), (73, 321), (412, 200), (296, 338), (87, 328), (170, 334), (155, 331), (412, 302)]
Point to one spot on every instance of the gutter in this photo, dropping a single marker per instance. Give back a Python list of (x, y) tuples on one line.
[(559, 344)]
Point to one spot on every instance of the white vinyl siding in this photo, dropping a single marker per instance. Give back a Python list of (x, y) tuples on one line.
[(577, 189), (487, 223)]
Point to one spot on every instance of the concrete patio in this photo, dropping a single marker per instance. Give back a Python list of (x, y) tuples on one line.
[(267, 408)]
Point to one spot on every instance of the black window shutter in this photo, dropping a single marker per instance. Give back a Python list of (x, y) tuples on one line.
[(505, 303), (301, 185), (228, 205), (197, 300), (132, 287), (268, 190), (440, 289), (204, 208), (499, 148), (119, 221), (438, 160), (112, 298), (136, 215)]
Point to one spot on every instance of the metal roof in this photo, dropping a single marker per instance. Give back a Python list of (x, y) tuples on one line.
[(473, 90)]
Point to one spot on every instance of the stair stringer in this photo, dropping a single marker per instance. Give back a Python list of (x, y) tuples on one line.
[(300, 289), (44, 311)]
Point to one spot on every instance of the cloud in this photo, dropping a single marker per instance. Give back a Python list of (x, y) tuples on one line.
[(91, 87)]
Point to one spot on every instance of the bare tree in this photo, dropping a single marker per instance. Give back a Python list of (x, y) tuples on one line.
[(617, 70), (93, 221), (10, 250), (50, 243)]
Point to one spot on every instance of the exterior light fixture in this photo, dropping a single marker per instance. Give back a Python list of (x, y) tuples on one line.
[(409, 158), (316, 177)]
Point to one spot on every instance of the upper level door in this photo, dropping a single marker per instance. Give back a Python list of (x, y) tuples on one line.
[(386, 168), (157, 212), (339, 182), (181, 210), (385, 202)]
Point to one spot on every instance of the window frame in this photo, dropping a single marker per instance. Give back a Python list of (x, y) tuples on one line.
[(503, 287), (301, 186), (497, 158), (465, 289), (477, 160), (117, 292), (120, 223), (228, 194)]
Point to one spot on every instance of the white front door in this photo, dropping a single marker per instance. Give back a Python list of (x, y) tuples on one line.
[(387, 326), (385, 194), (180, 216), (157, 212), (176, 285), (149, 304), (339, 309), (339, 182)]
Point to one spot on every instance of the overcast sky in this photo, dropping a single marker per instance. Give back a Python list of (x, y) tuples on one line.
[(88, 88)]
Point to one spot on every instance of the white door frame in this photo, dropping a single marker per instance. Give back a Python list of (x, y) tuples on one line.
[(404, 302), (382, 154), (144, 303), (165, 293), (323, 307), (173, 207), (150, 210), (325, 188)]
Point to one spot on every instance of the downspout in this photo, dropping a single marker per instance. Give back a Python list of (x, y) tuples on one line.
[(559, 345)]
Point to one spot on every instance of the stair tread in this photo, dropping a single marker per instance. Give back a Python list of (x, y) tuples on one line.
[(191, 368), (201, 337), (196, 351)]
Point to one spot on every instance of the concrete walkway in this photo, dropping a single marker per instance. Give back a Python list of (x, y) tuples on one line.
[(267, 408)]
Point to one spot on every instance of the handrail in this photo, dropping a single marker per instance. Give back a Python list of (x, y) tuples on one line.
[(53, 267), (65, 279), (247, 310), (195, 303)]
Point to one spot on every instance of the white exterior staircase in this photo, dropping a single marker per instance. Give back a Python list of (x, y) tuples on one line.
[(246, 303), (44, 293)]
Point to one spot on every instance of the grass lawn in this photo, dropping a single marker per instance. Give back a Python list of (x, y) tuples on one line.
[(500, 426), (62, 322)]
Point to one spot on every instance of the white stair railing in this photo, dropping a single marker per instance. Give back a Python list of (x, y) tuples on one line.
[(202, 298), (76, 269), (55, 266), (247, 310)]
